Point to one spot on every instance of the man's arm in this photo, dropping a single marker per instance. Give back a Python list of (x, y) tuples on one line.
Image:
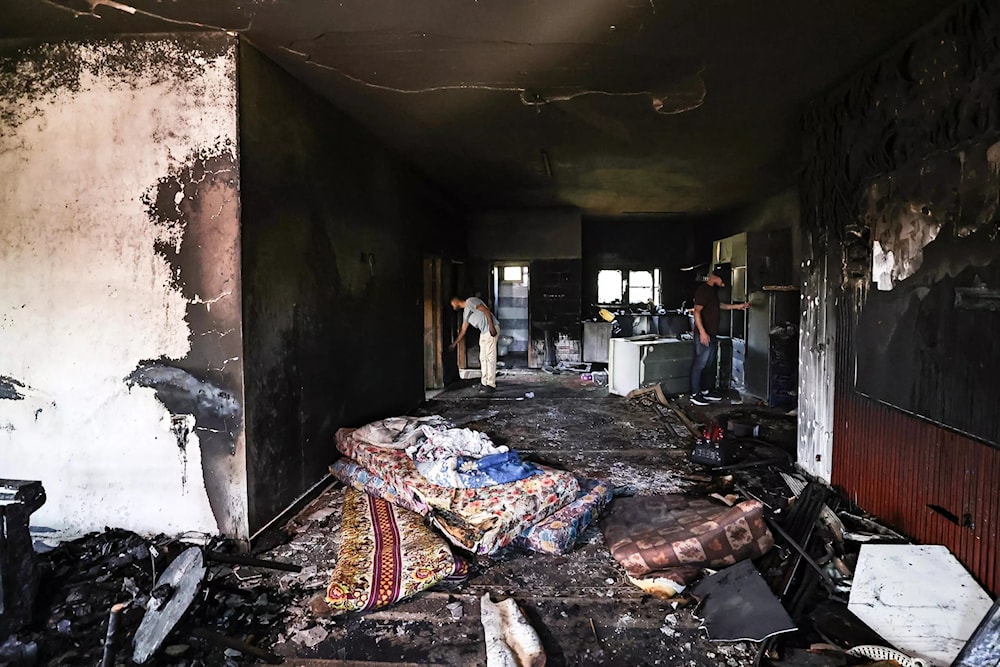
[(461, 335), (489, 319), (699, 327), (734, 306)]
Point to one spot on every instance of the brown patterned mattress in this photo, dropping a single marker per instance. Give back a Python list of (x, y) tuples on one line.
[(675, 536)]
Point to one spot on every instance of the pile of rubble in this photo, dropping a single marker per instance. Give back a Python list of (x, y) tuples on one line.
[(840, 587), (96, 591)]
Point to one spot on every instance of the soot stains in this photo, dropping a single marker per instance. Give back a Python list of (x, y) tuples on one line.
[(214, 408), (195, 207), (30, 73), (10, 389)]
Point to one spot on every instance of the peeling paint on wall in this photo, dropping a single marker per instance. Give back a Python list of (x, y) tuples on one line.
[(931, 100), (927, 344), (87, 293)]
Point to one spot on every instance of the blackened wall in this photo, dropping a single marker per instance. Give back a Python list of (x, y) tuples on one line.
[(120, 340), (933, 95), (549, 241), (333, 239), (629, 243), (776, 213)]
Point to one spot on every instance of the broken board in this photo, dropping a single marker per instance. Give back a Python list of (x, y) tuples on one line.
[(737, 605), (919, 597)]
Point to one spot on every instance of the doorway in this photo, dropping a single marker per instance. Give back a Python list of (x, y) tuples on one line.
[(510, 285)]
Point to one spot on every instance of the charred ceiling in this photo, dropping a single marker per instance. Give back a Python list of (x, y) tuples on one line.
[(610, 105)]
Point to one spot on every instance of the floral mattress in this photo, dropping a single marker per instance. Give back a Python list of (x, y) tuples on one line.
[(480, 520)]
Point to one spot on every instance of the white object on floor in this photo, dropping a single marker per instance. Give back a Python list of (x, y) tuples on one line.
[(510, 639), (883, 653), (919, 598)]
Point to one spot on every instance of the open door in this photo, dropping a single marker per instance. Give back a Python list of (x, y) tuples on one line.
[(510, 289)]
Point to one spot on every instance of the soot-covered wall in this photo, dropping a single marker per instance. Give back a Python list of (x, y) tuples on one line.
[(627, 244), (334, 231), (549, 241), (121, 382), (901, 155)]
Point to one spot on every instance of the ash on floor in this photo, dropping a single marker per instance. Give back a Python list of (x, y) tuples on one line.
[(582, 605)]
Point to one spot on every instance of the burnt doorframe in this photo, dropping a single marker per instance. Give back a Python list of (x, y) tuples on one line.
[(434, 325)]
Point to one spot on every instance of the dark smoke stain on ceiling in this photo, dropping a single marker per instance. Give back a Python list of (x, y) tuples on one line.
[(609, 105)]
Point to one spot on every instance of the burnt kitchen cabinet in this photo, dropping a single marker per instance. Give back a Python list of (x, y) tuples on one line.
[(596, 341), (749, 262), (772, 352)]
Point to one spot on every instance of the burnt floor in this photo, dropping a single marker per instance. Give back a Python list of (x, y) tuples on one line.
[(583, 607)]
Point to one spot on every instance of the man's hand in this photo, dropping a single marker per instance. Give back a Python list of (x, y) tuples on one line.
[(452, 346), (705, 340), (493, 331)]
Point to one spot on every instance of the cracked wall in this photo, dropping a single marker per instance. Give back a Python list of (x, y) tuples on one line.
[(119, 289)]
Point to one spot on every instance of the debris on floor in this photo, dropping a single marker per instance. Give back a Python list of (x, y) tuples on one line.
[(99, 590), (676, 536), (736, 604), (611, 545)]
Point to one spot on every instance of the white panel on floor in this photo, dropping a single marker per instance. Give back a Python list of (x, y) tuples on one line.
[(919, 598)]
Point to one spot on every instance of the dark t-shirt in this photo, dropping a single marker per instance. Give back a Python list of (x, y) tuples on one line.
[(706, 297)]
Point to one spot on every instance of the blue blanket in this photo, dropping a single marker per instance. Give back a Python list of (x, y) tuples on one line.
[(463, 472)]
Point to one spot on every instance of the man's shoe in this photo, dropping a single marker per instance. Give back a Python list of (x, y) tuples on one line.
[(712, 395), (486, 389), (698, 399)]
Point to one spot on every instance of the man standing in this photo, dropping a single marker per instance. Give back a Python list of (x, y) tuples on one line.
[(707, 310), (478, 315)]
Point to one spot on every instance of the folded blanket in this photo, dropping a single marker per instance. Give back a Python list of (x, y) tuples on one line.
[(386, 554), (481, 520), (675, 536)]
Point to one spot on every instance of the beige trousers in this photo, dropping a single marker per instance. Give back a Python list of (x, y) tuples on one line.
[(488, 357)]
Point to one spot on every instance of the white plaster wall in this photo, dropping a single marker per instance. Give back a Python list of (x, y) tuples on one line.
[(817, 365), (83, 296)]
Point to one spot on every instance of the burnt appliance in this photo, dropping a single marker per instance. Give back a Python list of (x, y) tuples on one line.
[(19, 575)]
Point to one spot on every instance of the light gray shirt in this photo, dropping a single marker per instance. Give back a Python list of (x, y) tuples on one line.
[(474, 316)]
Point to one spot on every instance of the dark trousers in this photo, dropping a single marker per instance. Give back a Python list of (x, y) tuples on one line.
[(702, 355)]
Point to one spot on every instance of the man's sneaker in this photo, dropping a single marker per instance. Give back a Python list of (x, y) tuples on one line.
[(698, 399), (486, 389), (712, 395)]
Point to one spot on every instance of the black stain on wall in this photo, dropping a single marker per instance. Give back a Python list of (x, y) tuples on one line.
[(918, 125), (10, 389), (35, 71), (640, 244), (196, 207), (215, 409)]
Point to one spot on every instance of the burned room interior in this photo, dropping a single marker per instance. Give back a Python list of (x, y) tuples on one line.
[(372, 333)]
